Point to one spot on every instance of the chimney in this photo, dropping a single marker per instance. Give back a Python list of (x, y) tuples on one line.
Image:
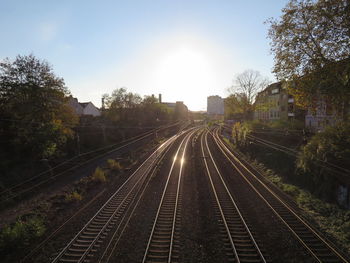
[(160, 98)]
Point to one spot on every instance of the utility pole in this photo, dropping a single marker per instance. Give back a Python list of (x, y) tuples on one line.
[(103, 133), (78, 143)]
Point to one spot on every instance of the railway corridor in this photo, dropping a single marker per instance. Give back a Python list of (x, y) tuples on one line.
[(194, 200)]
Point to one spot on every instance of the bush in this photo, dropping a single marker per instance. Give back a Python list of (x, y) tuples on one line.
[(255, 124), (320, 158), (20, 234), (284, 124), (239, 133), (74, 196), (99, 176), (113, 165)]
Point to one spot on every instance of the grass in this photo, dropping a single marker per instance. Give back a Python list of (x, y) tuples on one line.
[(114, 165), (329, 218), (99, 176), (73, 197), (15, 237)]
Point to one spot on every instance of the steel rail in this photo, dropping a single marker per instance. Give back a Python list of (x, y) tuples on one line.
[(168, 257), (313, 251), (221, 207), (114, 198), (104, 254)]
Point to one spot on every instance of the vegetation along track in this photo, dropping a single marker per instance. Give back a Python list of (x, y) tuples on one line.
[(240, 244), (316, 245), (84, 244), (163, 241), (33, 183)]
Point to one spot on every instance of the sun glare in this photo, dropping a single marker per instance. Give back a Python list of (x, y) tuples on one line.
[(184, 73)]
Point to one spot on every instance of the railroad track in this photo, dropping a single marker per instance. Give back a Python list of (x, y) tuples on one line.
[(321, 249), (89, 239), (40, 180), (240, 245), (163, 242)]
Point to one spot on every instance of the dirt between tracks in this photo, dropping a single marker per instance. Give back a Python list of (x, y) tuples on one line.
[(200, 238)]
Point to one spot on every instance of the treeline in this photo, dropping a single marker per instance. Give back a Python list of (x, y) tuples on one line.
[(122, 106), (36, 122), (39, 129), (124, 114)]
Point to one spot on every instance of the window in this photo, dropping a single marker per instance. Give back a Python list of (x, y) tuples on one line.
[(274, 91)]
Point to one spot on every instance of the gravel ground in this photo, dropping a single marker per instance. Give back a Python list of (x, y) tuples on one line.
[(200, 241)]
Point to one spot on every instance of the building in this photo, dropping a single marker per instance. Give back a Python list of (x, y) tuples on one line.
[(84, 108), (180, 109), (324, 115), (274, 103), (215, 105), (171, 105)]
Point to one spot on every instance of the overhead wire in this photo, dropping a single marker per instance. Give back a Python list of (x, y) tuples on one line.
[(294, 152), (83, 154)]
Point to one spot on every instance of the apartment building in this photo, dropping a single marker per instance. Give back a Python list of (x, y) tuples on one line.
[(274, 103), (215, 105)]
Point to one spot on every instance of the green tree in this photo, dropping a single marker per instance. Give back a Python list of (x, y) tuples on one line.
[(237, 107), (310, 43), (326, 157), (122, 105), (33, 110), (153, 111)]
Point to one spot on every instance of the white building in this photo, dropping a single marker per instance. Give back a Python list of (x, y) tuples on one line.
[(90, 109), (83, 108), (215, 105)]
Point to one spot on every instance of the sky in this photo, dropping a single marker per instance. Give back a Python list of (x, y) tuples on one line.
[(185, 50)]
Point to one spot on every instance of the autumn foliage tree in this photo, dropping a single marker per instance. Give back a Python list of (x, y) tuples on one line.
[(35, 120), (124, 107), (311, 47)]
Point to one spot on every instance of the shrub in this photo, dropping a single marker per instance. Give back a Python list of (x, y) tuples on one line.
[(98, 176), (325, 158), (74, 196), (239, 133), (21, 234), (114, 165)]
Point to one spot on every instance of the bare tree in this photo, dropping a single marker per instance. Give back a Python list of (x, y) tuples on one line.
[(248, 84), (245, 87)]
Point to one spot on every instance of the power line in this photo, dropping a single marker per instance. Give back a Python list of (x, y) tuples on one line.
[(134, 138), (99, 125), (294, 154)]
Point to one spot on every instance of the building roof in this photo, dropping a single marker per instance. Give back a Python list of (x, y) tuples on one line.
[(84, 104)]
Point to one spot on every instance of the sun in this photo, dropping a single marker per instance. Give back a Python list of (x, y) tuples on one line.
[(185, 73)]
